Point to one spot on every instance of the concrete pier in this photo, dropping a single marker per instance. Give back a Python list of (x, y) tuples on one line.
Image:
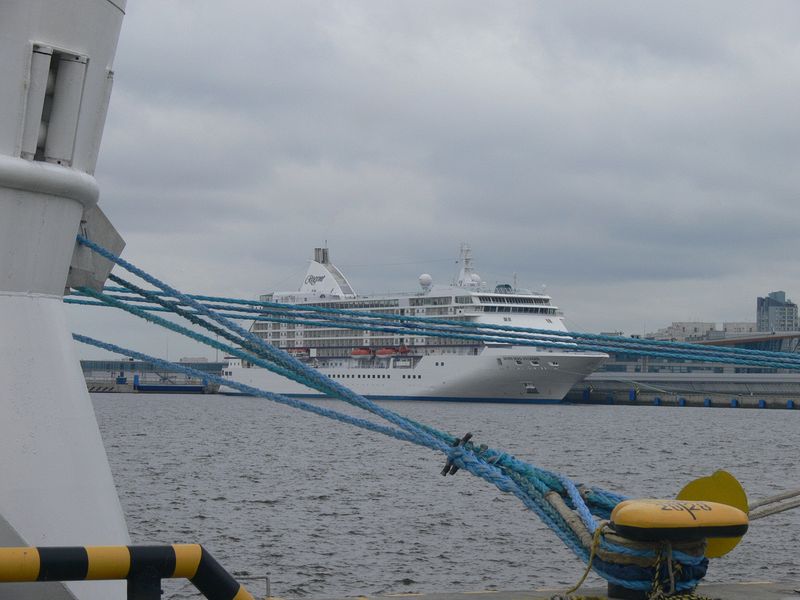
[(757, 391), (757, 590), (624, 397)]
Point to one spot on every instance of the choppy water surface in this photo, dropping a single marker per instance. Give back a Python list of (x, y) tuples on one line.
[(327, 510)]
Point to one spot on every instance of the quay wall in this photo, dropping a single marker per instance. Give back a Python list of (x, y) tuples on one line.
[(595, 394)]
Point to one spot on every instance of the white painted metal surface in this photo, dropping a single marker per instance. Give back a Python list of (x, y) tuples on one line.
[(56, 487)]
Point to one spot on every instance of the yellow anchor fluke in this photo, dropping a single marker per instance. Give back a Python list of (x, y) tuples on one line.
[(720, 487)]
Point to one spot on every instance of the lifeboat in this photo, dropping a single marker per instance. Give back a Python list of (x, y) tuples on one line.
[(404, 349), (361, 353), (298, 352), (386, 353)]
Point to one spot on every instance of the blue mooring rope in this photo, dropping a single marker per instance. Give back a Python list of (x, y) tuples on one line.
[(568, 341), (529, 483)]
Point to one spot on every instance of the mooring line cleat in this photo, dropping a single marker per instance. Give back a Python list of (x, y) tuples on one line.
[(451, 468)]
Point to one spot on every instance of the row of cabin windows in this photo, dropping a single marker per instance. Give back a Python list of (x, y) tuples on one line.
[(430, 301), (357, 304), (512, 300), (520, 309), (370, 376)]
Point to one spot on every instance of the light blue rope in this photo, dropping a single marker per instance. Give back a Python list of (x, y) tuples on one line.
[(548, 480), (459, 455), (571, 335), (532, 337), (522, 480), (788, 362), (455, 454)]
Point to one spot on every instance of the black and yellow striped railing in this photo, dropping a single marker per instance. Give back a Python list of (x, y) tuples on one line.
[(142, 566)]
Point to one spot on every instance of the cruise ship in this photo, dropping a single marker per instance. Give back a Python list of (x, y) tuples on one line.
[(405, 366)]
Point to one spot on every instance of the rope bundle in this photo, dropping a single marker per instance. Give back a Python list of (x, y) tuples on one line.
[(573, 512)]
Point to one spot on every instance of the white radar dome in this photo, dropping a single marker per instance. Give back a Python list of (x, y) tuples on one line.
[(425, 281), (475, 278)]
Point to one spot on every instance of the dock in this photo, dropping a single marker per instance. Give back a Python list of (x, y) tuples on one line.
[(130, 376), (697, 389), (749, 590)]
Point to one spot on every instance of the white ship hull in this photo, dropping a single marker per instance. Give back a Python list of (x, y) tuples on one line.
[(362, 347), (497, 374)]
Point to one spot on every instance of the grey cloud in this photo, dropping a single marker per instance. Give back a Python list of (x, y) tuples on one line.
[(582, 144)]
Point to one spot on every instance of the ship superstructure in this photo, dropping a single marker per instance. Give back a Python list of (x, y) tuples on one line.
[(409, 366)]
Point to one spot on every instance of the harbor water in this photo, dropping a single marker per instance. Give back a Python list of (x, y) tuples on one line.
[(327, 510)]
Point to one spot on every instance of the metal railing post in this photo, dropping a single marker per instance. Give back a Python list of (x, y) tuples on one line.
[(142, 566), (145, 584)]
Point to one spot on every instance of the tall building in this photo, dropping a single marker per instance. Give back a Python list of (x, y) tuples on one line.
[(775, 312)]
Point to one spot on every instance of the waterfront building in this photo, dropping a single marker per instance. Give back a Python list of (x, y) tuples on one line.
[(738, 328), (684, 331)]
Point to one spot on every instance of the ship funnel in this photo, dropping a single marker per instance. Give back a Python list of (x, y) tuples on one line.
[(324, 278), (321, 255)]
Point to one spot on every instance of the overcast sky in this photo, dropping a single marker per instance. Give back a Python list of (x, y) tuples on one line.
[(641, 159)]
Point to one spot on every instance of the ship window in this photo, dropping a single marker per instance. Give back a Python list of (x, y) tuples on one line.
[(553, 363), (535, 363), (519, 362)]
